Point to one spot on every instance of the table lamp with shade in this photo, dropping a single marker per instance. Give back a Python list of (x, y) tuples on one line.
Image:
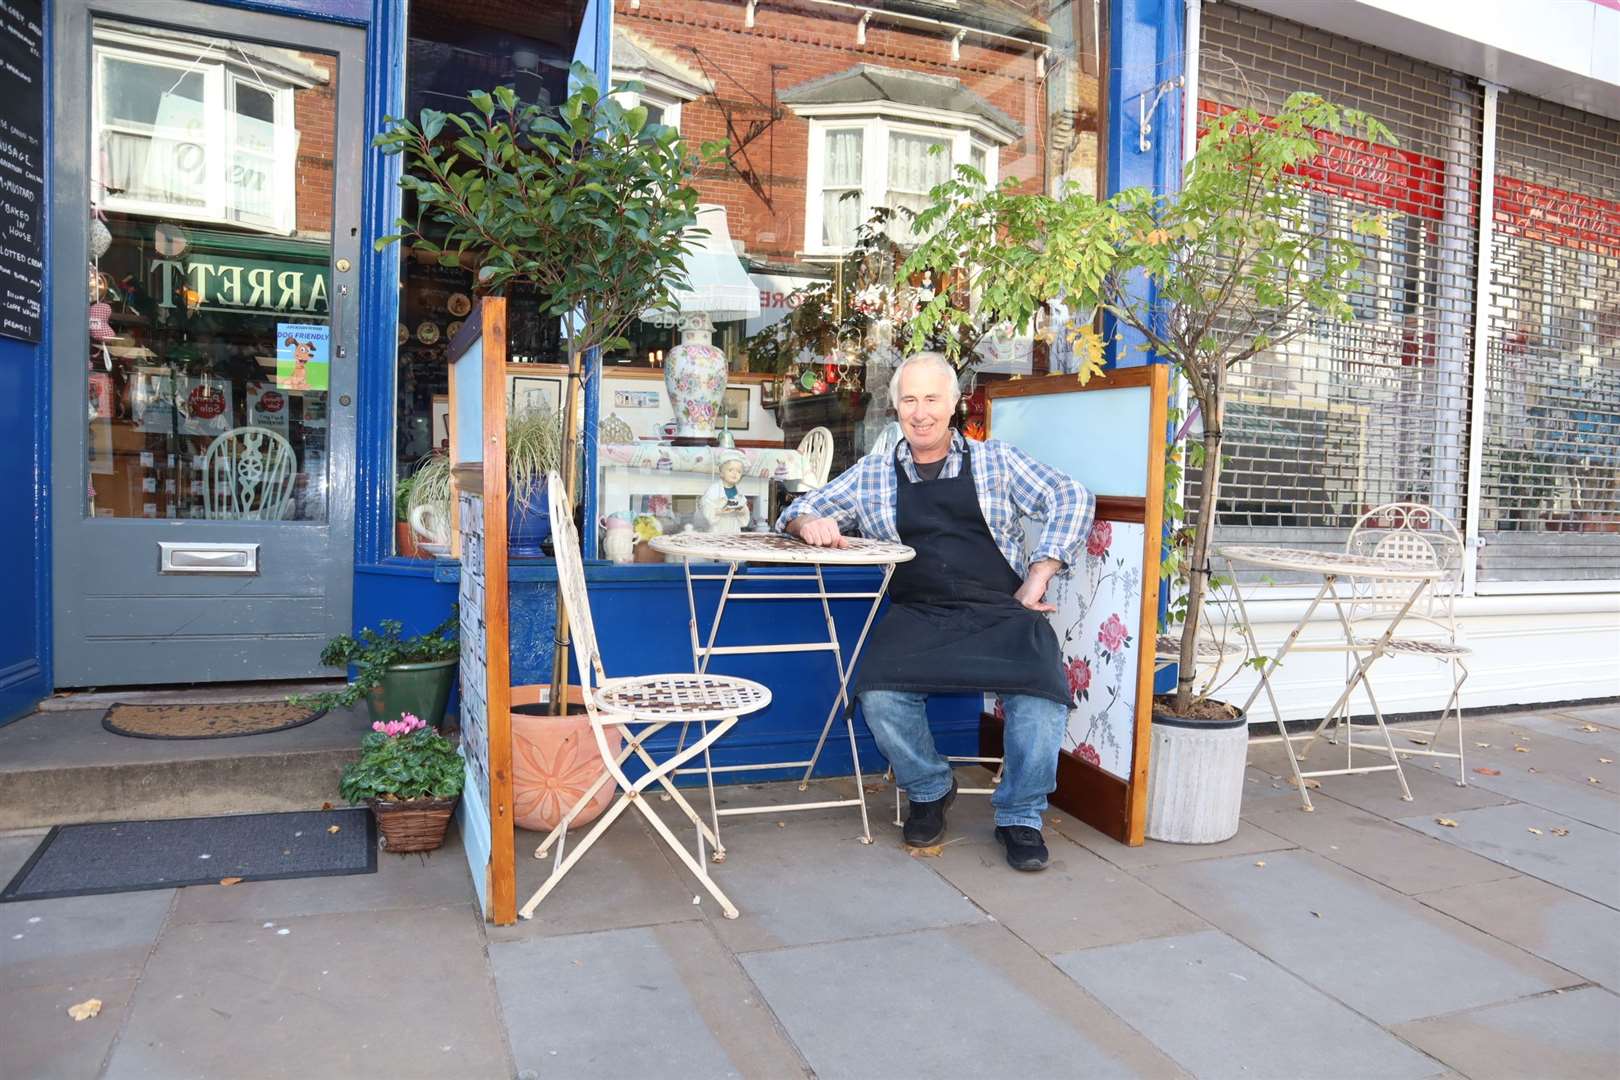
[(717, 289)]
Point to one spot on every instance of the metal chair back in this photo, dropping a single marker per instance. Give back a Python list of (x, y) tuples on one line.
[(248, 475), (571, 588), (1412, 533), (817, 448)]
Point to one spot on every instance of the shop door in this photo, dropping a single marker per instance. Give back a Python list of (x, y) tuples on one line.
[(205, 250)]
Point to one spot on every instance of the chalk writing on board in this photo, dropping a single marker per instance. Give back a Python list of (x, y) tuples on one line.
[(22, 167)]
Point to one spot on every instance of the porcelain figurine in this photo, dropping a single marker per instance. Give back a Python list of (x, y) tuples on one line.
[(724, 507), (618, 538)]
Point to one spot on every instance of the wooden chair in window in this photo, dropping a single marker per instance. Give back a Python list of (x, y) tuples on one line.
[(248, 475)]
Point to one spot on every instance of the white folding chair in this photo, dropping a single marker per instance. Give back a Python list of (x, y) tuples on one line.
[(639, 707), (817, 448), (248, 474), (1412, 532)]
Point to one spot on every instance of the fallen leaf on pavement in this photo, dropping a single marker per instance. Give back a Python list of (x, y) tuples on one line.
[(1521, 749), (1447, 822), (1591, 728), (1593, 780), (230, 880), (1309, 783), (326, 806), (84, 1010), (1535, 830), (1482, 745), (1605, 761), (1534, 769), (1418, 741), (334, 828), (925, 852), (1560, 832), (1486, 771), (1260, 862), (1316, 914)]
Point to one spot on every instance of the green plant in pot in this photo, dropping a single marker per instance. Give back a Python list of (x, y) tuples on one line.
[(533, 449), (393, 673), (1236, 265), (410, 776)]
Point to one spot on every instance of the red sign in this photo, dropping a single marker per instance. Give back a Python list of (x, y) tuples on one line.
[(205, 404), (1385, 176), (271, 402), (1537, 212)]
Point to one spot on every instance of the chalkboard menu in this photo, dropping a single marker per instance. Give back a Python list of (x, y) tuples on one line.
[(22, 167)]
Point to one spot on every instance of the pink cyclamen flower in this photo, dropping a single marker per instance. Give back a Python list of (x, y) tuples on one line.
[(1102, 534), (380, 726), (1079, 674), (1113, 634), (1089, 753)]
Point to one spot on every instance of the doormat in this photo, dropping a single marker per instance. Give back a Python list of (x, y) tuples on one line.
[(128, 856), (225, 720)]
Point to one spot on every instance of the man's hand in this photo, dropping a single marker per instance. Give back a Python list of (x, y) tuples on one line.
[(817, 532), (1032, 593)]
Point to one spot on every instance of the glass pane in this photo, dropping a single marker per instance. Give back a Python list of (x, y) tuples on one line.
[(916, 164), (210, 321)]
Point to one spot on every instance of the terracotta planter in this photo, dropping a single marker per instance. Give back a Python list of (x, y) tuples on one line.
[(405, 542), (554, 760)]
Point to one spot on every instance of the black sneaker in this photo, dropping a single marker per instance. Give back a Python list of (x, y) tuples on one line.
[(1026, 850), (925, 824)]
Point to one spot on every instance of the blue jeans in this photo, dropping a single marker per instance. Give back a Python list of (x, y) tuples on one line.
[(1032, 737)]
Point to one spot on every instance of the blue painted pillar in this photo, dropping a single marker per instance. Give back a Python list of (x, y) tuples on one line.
[(1145, 52), (595, 49)]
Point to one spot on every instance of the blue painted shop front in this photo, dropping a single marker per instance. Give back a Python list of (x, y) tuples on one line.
[(641, 611)]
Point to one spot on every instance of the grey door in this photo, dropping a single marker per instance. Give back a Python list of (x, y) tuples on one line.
[(205, 232)]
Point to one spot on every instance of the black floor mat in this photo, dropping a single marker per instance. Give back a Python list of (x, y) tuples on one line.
[(126, 856)]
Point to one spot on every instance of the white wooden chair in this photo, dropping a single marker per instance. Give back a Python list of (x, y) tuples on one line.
[(248, 475), (887, 440), (639, 707), (1412, 532), (817, 448)]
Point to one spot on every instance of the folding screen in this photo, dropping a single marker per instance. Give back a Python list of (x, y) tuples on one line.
[(1108, 434)]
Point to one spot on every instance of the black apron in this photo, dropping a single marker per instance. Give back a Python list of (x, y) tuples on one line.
[(953, 623)]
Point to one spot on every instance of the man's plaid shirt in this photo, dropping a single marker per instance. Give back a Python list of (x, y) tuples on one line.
[(1012, 486)]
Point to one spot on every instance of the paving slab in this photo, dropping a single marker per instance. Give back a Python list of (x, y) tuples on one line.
[(418, 880), (1606, 713), (809, 881), (42, 1042), (1378, 848), (1346, 935), (1572, 1036), (60, 941), (1584, 861), (1566, 726), (945, 1003), (15, 848), (1434, 791), (628, 864), (1572, 798), (393, 993), (1250, 838), (687, 1008), (1197, 996), (1571, 931), (1077, 902)]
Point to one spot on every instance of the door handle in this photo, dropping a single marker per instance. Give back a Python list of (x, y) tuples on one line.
[(339, 350)]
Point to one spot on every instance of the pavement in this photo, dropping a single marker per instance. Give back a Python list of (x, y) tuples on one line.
[(1473, 932)]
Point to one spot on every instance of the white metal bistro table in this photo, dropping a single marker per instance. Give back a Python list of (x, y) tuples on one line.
[(1331, 566), (785, 553)]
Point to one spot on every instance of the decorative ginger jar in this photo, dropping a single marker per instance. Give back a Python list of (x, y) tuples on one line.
[(695, 376)]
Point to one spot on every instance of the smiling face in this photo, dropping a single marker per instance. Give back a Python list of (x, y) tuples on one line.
[(731, 472), (925, 402)]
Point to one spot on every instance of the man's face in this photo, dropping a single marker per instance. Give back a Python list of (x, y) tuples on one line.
[(927, 400)]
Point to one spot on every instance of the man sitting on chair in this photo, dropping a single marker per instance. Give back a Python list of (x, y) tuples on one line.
[(967, 614)]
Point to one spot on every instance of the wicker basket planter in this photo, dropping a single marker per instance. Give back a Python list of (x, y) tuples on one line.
[(413, 824)]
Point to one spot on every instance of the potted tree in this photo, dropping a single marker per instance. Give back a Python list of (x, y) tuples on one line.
[(393, 673), (411, 777), (588, 204), (1236, 265)]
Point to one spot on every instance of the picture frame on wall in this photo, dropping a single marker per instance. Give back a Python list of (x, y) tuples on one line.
[(735, 407), (770, 393), (441, 422), (525, 393)]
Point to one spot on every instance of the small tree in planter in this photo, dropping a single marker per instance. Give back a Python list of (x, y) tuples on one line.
[(1235, 260), (590, 205)]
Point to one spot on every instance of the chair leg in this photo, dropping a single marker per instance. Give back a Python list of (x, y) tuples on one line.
[(698, 869), (561, 867)]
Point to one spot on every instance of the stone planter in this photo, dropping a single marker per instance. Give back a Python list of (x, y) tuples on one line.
[(1195, 778)]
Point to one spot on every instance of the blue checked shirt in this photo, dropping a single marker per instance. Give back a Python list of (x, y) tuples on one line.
[(1011, 485)]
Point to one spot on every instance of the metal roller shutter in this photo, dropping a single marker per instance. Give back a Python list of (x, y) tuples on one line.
[(1550, 491), (1351, 415)]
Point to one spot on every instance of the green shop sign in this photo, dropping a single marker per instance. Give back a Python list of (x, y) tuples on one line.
[(246, 274)]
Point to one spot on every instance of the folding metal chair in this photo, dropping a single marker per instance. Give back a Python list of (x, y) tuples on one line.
[(639, 707), (1412, 532)]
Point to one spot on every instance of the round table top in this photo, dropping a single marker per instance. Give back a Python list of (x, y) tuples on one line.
[(1330, 563), (777, 548)]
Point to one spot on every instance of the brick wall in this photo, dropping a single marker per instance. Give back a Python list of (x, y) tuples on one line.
[(314, 114), (799, 43)]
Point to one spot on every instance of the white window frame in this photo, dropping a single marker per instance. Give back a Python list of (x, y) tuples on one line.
[(658, 99), (875, 131), (219, 85)]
